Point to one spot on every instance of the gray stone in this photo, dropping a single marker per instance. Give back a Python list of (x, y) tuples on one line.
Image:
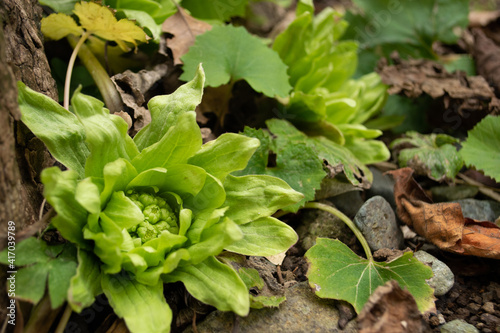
[(348, 203), (377, 222), (382, 185), (482, 210), (302, 311), (450, 193), (318, 223), (458, 326), (489, 307), (443, 278)]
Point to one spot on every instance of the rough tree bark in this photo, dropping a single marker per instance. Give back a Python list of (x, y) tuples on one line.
[(22, 57)]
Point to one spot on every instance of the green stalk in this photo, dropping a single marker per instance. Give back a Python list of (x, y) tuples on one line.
[(71, 64), (64, 319), (347, 221), (101, 78), (42, 316)]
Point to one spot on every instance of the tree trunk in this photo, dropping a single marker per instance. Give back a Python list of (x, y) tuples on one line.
[(22, 57)]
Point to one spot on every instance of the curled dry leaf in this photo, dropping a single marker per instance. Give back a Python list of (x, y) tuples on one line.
[(487, 56), (443, 223), (184, 29), (391, 309)]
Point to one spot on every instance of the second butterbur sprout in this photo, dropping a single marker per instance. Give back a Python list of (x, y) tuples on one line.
[(158, 216)]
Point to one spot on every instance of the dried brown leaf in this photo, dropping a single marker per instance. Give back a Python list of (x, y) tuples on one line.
[(443, 224), (487, 56), (391, 309), (184, 29)]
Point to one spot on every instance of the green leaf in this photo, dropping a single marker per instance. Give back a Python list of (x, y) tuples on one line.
[(482, 147), (61, 270), (59, 190), (87, 194), (260, 302), (145, 20), (409, 27), (58, 128), (86, 284), (433, 155), (338, 273), (214, 283), (212, 195), (44, 264), (251, 277), (28, 251), (296, 161), (264, 237), (175, 147), (117, 175), (253, 196), (221, 10), (122, 211), (367, 151), (180, 178), (60, 6), (102, 127), (229, 152), (166, 109), (213, 240), (143, 308), (230, 54), (31, 282), (313, 53)]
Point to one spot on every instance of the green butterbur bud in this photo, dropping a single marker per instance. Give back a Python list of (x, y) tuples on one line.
[(146, 232), (152, 213), (158, 216)]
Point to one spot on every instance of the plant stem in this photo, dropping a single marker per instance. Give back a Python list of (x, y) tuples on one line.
[(42, 316), (64, 319), (101, 78), (71, 64), (347, 221)]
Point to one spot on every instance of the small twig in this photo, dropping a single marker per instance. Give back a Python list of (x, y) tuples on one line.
[(481, 187), (195, 329), (37, 226), (280, 277)]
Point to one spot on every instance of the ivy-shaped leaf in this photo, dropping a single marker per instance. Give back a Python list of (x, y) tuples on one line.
[(338, 273), (230, 54), (482, 147), (43, 265), (433, 155)]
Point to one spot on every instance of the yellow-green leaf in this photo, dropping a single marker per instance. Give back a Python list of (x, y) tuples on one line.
[(57, 26), (101, 22)]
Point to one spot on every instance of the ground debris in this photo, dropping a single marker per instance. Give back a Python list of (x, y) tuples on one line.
[(468, 96)]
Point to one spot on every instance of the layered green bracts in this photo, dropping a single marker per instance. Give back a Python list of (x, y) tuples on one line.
[(157, 208)]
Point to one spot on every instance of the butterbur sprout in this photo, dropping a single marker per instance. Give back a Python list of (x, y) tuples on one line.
[(157, 208)]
